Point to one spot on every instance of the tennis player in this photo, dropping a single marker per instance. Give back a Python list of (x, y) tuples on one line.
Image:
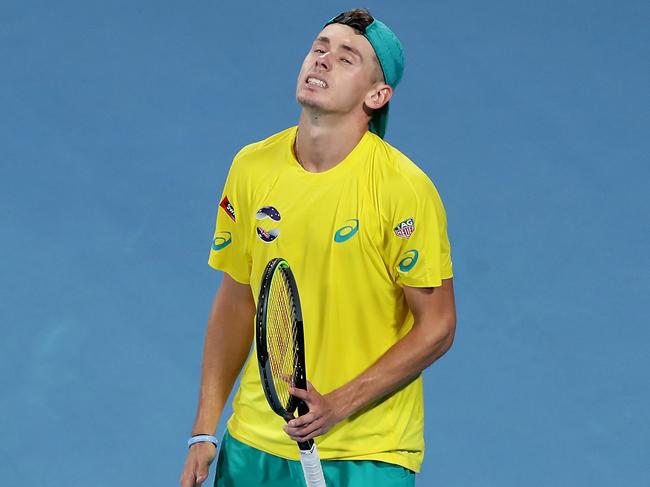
[(365, 233)]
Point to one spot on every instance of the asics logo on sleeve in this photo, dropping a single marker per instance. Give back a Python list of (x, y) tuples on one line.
[(408, 262), (221, 240), (346, 232)]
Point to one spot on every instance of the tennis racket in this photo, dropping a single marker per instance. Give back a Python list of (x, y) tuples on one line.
[(281, 355)]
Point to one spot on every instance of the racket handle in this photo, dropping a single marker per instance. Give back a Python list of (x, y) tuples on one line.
[(312, 468)]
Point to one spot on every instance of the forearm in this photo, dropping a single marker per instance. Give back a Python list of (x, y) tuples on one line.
[(227, 343), (400, 364), (430, 337)]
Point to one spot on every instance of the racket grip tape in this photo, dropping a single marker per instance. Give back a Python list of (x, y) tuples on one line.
[(311, 467)]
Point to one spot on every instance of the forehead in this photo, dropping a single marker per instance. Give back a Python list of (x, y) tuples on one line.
[(339, 34)]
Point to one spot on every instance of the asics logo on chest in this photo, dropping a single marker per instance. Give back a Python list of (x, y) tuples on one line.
[(346, 232)]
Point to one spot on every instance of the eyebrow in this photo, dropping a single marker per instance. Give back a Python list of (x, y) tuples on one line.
[(351, 49)]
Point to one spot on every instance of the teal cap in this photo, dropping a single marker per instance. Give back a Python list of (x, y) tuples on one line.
[(390, 55)]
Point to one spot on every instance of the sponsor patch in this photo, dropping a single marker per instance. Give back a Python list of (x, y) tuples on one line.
[(228, 208), (405, 229)]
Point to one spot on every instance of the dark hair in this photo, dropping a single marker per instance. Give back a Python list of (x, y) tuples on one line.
[(358, 19)]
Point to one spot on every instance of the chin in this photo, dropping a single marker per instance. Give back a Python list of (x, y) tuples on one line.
[(309, 102)]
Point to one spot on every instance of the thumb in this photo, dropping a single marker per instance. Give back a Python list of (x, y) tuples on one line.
[(201, 469), (312, 393), (299, 393)]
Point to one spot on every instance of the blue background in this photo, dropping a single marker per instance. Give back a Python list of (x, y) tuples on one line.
[(118, 121)]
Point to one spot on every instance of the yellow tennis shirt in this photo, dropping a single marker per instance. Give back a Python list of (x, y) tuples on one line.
[(353, 236)]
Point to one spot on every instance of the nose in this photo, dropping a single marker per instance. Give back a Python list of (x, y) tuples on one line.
[(323, 61)]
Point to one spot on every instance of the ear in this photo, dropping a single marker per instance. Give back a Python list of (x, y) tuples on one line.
[(379, 96)]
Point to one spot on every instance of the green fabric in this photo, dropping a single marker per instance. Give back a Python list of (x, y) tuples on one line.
[(390, 55), (240, 465), (389, 51)]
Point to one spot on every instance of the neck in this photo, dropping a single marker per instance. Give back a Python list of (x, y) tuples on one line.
[(324, 140)]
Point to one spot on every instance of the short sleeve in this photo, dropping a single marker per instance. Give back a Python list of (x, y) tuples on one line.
[(229, 251), (417, 252)]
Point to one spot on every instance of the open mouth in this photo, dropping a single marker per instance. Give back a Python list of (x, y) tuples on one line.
[(316, 82)]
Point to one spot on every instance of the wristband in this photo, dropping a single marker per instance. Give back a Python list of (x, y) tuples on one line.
[(201, 439)]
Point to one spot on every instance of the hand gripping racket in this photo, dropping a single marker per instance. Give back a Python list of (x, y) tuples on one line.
[(281, 355)]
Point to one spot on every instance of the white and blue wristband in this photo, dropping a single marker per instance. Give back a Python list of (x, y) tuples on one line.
[(201, 439)]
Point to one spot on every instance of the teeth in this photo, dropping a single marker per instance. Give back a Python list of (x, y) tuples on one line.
[(317, 82)]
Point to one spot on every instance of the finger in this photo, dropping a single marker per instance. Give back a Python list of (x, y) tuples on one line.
[(311, 416), (188, 479), (295, 431), (299, 393), (306, 432), (201, 475), (311, 390), (310, 436), (304, 428)]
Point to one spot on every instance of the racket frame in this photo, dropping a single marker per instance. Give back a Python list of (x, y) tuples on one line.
[(272, 271), (309, 457)]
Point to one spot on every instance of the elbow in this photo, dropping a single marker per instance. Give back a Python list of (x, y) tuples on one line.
[(441, 336), (451, 333), (450, 329), (447, 333)]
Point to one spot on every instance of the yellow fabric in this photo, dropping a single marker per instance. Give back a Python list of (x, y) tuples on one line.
[(351, 290)]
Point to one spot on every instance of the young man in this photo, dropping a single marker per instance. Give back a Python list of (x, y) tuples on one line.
[(364, 231)]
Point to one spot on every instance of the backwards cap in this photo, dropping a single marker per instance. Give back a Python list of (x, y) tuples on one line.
[(390, 54)]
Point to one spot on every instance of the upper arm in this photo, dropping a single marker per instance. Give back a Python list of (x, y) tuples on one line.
[(234, 300), (230, 251), (416, 248), (434, 309)]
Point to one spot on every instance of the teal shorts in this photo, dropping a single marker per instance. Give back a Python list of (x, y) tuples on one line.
[(240, 465)]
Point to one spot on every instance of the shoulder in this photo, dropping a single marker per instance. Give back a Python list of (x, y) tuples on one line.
[(398, 177), (254, 161), (252, 156)]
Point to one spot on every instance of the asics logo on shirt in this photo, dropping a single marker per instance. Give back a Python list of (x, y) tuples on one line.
[(346, 232), (221, 240), (408, 262)]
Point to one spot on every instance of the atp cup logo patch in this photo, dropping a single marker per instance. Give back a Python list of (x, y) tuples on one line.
[(268, 236), (268, 212), (405, 229)]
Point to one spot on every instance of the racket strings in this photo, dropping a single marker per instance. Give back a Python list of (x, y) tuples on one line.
[(281, 337)]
